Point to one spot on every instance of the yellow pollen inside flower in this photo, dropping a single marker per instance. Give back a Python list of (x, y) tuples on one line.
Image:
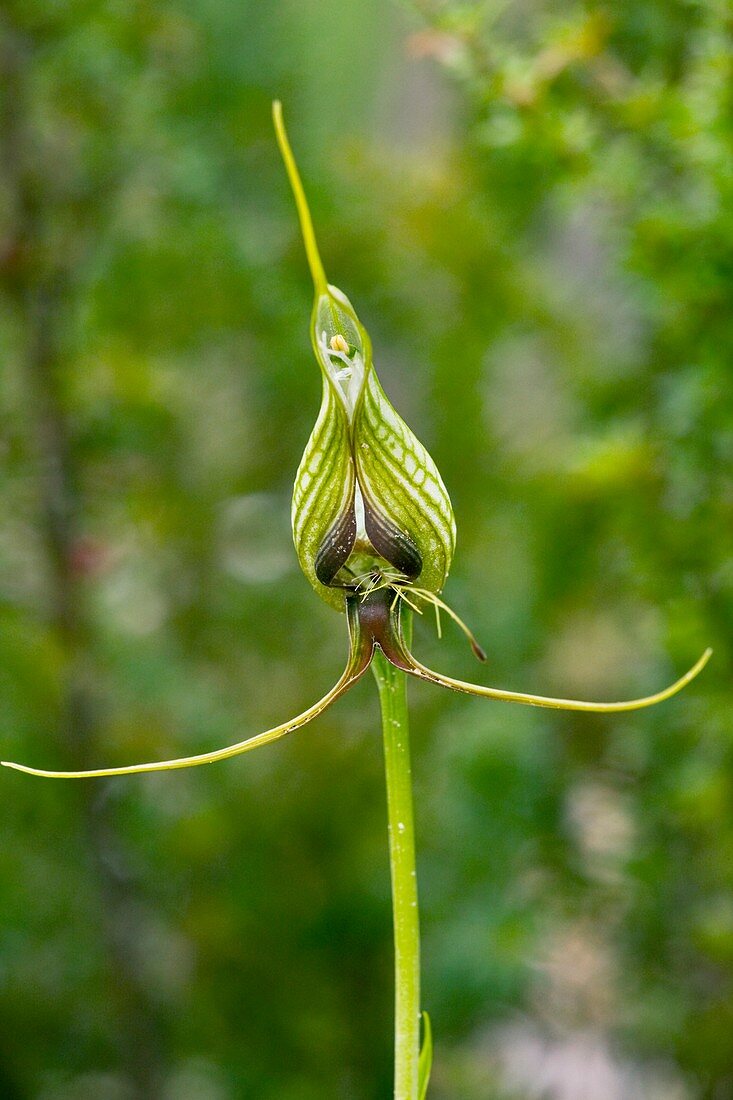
[(339, 344)]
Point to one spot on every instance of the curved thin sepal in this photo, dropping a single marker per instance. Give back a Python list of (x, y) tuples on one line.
[(306, 223), (400, 482), (250, 743), (359, 660), (415, 668), (425, 1062)]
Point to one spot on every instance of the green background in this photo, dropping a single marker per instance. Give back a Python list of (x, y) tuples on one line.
[(530, 206)]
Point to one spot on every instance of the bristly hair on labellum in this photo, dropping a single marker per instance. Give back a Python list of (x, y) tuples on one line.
[(373, 524)]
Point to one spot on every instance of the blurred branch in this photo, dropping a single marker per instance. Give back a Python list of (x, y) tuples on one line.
[(457, 38)]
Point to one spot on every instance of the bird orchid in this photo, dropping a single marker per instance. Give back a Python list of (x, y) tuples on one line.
[(373, 524), (374, 533)]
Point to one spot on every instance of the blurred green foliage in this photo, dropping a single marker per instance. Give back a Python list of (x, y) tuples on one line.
[(531, 206)]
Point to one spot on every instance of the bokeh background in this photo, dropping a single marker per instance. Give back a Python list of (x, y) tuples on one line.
[(530, 204)]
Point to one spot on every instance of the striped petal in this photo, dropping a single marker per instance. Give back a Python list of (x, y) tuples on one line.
[(407, 506), (324, 526)]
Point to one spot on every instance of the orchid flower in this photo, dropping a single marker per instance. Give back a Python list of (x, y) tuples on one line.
[(372, 521)]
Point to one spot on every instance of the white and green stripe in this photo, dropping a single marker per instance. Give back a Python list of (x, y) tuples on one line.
[(399, 478)]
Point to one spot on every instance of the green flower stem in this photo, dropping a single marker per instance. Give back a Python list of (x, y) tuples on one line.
[(391, 682)]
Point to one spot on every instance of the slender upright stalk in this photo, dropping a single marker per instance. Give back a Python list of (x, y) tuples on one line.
[(391, 682)]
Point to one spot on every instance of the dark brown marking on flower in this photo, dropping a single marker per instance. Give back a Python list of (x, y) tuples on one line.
[(394, 545), (336, 547), (378, 616)]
